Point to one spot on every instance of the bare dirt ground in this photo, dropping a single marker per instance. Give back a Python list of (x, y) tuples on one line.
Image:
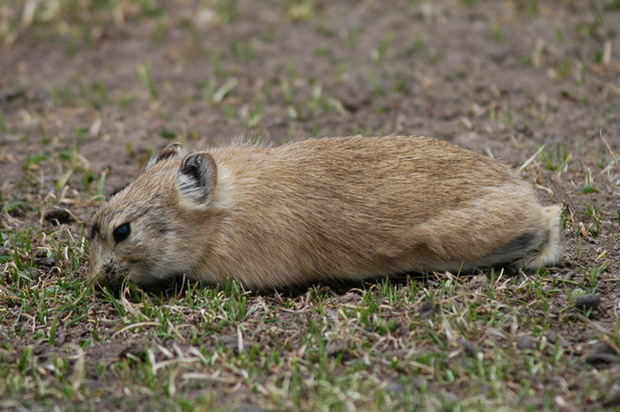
[(90, 90)]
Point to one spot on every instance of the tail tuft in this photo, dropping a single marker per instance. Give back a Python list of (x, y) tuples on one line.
[(551, 249)]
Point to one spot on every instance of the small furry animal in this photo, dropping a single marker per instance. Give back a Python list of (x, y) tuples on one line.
[(320, 209)]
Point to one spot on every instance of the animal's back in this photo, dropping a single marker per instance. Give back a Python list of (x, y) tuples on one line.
[(412, 176), (358, 207)]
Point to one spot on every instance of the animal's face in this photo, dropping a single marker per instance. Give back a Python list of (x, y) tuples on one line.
[(147, 231), (130, 238)]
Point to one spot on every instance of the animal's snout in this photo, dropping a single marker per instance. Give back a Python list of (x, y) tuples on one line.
[(110, 269), (110, 277), (113, 284)]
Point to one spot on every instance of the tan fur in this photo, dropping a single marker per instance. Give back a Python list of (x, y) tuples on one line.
[(337, 208)]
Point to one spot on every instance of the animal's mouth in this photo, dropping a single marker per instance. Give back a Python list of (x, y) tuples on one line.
[(172, 283), (113, 284)]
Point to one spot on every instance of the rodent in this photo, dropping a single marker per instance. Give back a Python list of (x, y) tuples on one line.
[(320, 209)]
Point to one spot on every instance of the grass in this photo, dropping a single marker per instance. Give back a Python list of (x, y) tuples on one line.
[(378, 345), (489, 340)]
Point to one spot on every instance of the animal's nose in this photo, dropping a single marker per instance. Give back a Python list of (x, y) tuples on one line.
[(110, 269), (108, 277)]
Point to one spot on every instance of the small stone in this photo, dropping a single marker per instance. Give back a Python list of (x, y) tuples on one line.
[(595, 359), (134, 351), (588, 302), (603, 347), (602, 353), (395, 387), (45, 262), (61, 337), (551, 337), (41, 349), (58, 216), (526, 342), (11, 94), (337, 347), (427, 310), (250, 408), (231, 342), (469, 348), (612, 401)]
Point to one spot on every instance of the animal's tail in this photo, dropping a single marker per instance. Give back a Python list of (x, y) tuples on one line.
[(551, 248)]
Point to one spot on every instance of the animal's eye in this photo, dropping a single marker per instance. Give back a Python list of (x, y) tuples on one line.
[(121, 232)]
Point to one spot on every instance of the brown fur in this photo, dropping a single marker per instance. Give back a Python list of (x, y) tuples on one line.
[(337, 208)]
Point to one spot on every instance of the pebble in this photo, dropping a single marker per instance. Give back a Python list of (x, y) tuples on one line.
[(395, 387), (45, 262), (231, 342), (603, 347), (601, 359), (602, 354), (469, 348), (250, 408), (588, 302), (337, 347), (427, 310), (526, 342), (135, 350), (58, 216), (613, 400), (552, 337)]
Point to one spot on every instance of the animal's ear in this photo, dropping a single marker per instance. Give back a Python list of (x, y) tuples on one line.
[(196, 180), (171, 150)]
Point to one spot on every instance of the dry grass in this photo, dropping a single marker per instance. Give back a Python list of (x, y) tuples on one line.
[(91, 88)]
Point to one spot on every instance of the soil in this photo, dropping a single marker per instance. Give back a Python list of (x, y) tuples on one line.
[(489, 75)]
